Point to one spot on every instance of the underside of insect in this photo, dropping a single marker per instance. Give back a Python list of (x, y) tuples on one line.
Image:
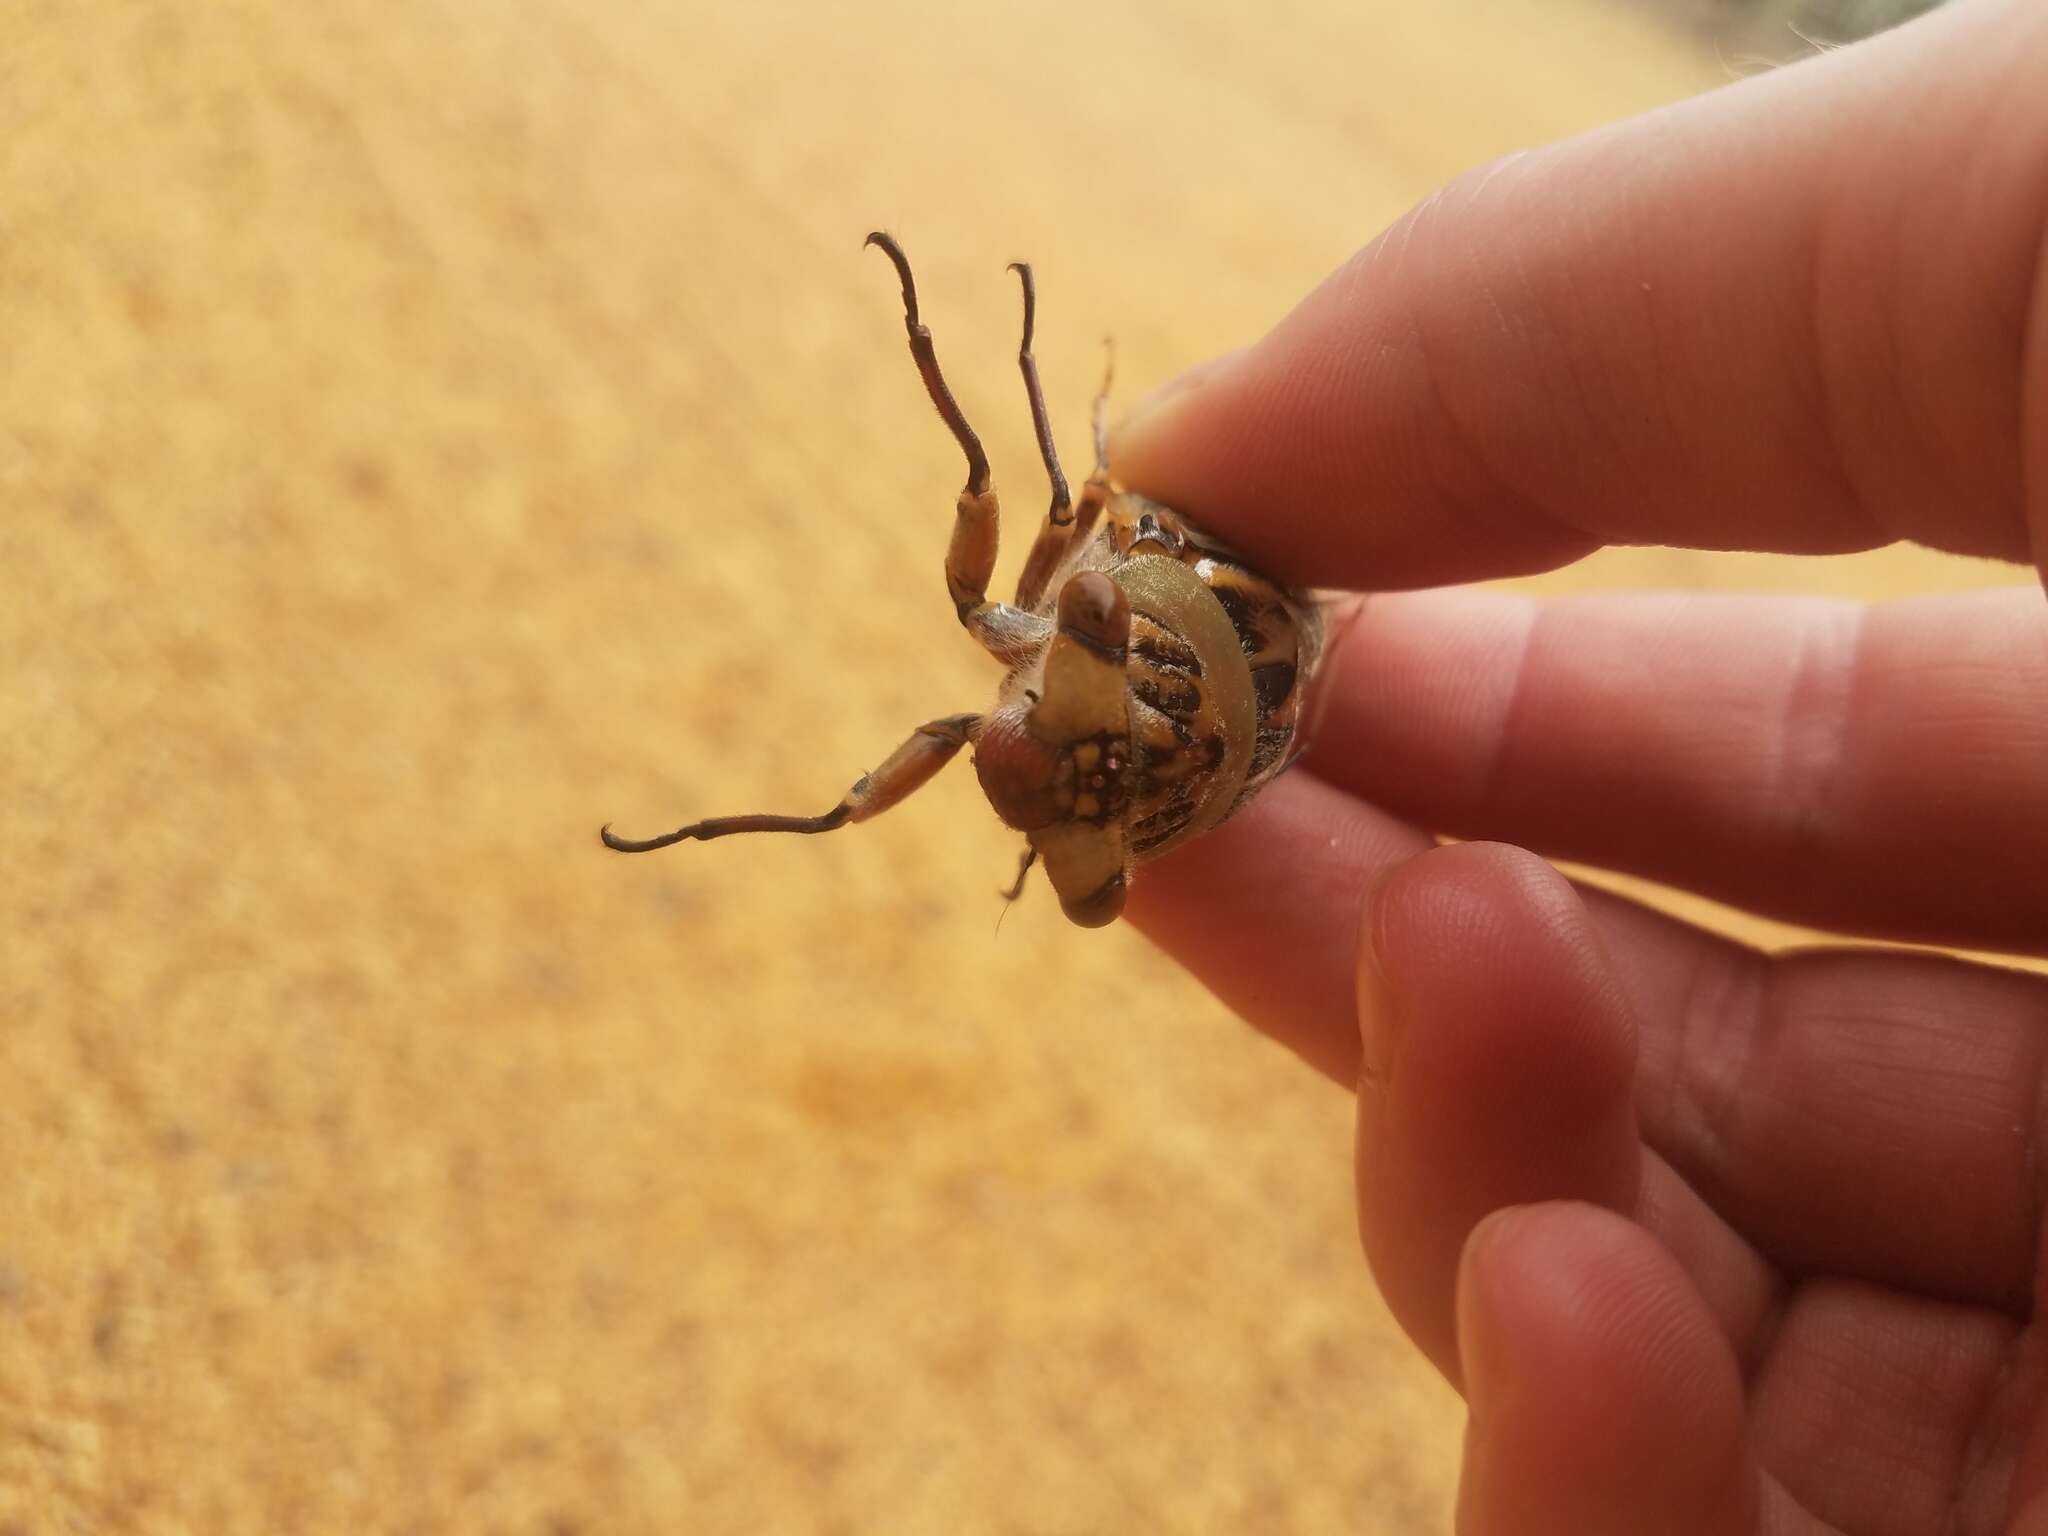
[(1154, 681)]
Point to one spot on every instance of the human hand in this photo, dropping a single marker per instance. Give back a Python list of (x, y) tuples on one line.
[(1711, 1241)]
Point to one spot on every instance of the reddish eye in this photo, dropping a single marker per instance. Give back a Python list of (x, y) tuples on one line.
[(1016, 771)]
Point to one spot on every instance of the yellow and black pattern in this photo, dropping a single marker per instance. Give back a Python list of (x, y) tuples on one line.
[(1178, 738)]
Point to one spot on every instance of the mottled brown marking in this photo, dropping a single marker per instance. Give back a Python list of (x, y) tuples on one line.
[(1273, 682)]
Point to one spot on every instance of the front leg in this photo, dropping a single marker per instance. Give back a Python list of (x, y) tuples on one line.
[(1050, 547), (977, 519), (930, 748), (1065, 525)]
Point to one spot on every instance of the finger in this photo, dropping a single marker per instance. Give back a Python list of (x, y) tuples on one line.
[(1862, 1113), (1883, 1412), (1773, 317), (1603, 1399), (1876, 770), (1850, 1112), (1265, 911), (1499, 1067), (1742, 1290)]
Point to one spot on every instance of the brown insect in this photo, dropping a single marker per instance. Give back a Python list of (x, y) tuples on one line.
[(1155, 681)]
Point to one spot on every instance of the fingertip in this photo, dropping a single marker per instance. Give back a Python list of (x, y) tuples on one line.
[(1150, 437), (1603, 1396), (1493, 942), (1498, 1067), (1544, 1286)]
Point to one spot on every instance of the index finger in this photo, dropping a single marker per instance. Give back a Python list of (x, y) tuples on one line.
[(1807, 313)]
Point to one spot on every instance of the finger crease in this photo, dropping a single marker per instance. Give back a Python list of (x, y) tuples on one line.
[(1719, 1017), (1494, 769), (1813, 738), (1755, 1351)]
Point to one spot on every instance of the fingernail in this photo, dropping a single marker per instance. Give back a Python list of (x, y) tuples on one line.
[(1154, 412)]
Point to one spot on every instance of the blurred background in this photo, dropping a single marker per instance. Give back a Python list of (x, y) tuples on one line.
[(1779, 30), (429, 430)]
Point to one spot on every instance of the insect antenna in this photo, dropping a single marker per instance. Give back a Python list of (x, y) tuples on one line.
[(1061, 512), (1102, 406), (1098, 490), (1017, 886)]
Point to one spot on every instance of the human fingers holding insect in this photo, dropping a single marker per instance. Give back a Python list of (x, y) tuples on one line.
[(1712, 1241)]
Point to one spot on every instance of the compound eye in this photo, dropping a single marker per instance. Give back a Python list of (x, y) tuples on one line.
[(1016, 771), (1094, 610)]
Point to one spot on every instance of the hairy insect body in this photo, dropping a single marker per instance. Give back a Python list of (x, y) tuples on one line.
[(1154, 680)]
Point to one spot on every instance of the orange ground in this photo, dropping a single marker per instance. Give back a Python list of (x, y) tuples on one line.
[(428, 430)]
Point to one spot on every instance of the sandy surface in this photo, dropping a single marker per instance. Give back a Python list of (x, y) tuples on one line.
[(429, 430)]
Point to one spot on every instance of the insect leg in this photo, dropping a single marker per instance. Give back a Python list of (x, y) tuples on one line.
[(971, 556), (1051, 545), (932, 746), (1096, 493)]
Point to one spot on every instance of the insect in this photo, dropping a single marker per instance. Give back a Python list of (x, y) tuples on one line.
[(1154, 681)]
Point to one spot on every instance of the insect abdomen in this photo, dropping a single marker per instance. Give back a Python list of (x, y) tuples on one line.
[(1279, 632), (1181, 732)]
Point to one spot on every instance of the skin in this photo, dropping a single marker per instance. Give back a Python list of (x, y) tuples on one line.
[(1710, 1240)]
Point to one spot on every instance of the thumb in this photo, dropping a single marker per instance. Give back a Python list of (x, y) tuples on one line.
[(1603, 1396)]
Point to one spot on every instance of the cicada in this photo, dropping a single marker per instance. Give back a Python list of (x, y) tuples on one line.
[(1153, 680)]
